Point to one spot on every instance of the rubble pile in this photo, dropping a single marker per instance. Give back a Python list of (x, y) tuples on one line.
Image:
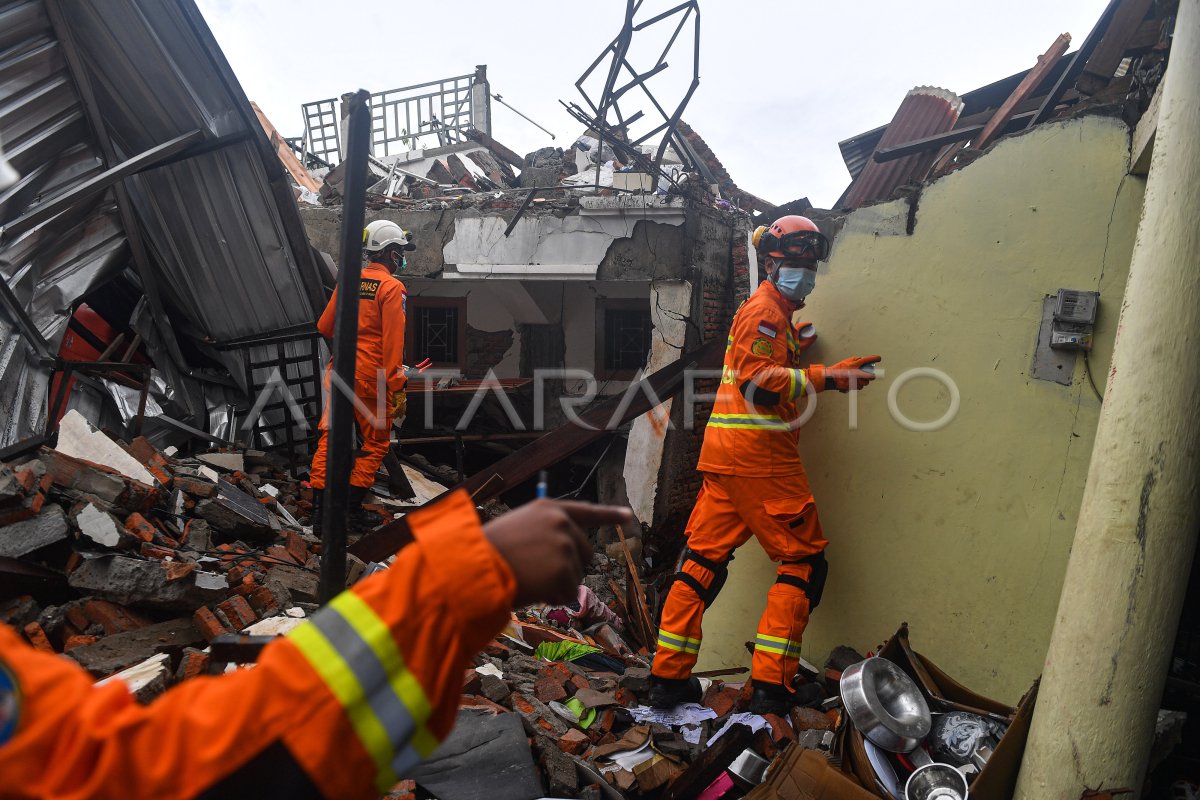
[(589, 731), (156, 567)]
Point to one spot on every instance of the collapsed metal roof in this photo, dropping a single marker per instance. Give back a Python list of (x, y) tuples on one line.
[(139, 152)]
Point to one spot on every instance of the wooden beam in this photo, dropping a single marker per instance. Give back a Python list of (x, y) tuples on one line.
[(555, 445), (1025, 88), (500, 151), (284, 151), (1067, 79), (1108, 54), (97, 185)]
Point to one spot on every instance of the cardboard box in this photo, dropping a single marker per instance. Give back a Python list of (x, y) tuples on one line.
[(998, 778)]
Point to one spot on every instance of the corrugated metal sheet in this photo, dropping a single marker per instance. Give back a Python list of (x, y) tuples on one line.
[(857, 150), (228, 248), (213, 221), (47, 139), (926, 110)]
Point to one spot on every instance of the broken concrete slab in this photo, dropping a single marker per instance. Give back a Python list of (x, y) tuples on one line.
[(77, 438), (133, 582), (88, 478), (486, 757), (27, 536), (98, 525), (114, 653), (292, 584), (230, 462)]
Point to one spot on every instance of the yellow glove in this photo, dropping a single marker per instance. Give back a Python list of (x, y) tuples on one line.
[(399, 404)]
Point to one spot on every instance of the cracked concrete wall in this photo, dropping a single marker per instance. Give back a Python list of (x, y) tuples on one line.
[(963, 532), (670, 306), (431, 231)]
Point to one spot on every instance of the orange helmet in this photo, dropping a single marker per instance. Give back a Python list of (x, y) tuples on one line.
[(792, 236)]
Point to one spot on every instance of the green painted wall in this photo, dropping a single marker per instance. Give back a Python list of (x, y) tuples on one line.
[(963, 532)]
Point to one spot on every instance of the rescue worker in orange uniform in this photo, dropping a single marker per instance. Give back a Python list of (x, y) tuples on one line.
[(341, 707), (754, 481), (379, 376)]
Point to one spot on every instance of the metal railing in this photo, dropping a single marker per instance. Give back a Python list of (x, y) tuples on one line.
[(406, 118)]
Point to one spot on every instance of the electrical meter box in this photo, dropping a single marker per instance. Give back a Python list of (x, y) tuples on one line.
[(1074, 319)]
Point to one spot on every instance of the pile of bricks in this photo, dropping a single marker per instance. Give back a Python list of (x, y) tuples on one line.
[(573, 756), (117, 571)]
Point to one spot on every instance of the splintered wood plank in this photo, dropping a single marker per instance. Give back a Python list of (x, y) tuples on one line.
[(1108, 54), (1024, 89)]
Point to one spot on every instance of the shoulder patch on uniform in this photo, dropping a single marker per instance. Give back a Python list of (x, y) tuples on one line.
[(10, 704), (767, 329), (762, 347), (368, 288)]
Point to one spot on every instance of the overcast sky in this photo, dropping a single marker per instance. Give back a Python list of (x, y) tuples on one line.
[(780, 82)]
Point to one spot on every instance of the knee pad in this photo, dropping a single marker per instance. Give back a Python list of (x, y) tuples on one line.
[(719, 569), (814, 587)]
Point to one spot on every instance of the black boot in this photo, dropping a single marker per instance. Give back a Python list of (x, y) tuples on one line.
[(318, 511), (359, 519), (671, 692), (770, 699)]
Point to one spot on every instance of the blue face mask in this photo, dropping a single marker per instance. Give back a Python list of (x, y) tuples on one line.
[(795, 283)]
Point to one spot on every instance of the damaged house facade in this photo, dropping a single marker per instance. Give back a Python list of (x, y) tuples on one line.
[(561, 293)]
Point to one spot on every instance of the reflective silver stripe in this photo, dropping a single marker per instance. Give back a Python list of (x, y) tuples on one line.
[(785, 648), (379, 696), (676, 642)]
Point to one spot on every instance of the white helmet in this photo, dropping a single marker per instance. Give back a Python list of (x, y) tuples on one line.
[(8, 175), (381, 233)]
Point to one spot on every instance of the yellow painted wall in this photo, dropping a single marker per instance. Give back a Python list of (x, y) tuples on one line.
[(963, 532)]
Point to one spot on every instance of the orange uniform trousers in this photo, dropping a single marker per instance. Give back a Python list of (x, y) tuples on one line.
[(729, 509), (341, 707), (372, 414)]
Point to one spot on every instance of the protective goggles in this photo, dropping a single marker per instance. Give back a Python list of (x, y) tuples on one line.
[(801, 244)]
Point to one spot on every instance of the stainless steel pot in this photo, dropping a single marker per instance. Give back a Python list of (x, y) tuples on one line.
[(749, 766), (885, 705), (936, 782)]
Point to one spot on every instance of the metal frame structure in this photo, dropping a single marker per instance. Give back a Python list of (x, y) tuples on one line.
[(296, 357), (322, 131), (400, 117), (609, 100), (444, 112)]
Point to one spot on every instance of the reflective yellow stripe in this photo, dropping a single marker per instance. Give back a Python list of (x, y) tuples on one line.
[(336, 673), (775, 644), (353, 651), (373, 630), (792, 384), (803, 383), (764, 422), (680, 644)]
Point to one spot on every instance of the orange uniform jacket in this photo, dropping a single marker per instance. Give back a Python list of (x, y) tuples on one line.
[(382, 305), (752, 431), (341, 707)]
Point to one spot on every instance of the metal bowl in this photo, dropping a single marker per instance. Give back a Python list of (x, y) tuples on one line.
[(936, 782), (885, 705)]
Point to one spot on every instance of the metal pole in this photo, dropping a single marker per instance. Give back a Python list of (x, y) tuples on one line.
[(345, 345)]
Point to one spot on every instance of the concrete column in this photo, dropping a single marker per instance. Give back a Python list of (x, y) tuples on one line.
[(1136, 536), (481, 101)]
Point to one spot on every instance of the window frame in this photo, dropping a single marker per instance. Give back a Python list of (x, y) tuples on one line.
[(416, 302), (603, 305)]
